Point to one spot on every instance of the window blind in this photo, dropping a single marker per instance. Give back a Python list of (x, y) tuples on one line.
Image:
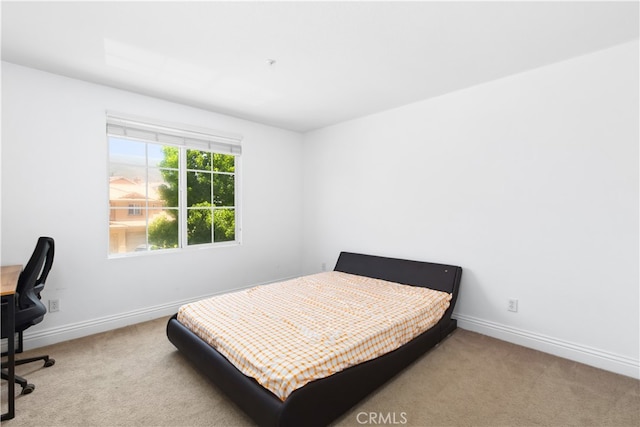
[(146, 130)]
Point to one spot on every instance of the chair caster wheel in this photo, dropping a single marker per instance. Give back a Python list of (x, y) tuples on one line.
[(49, 362), (28, 389)]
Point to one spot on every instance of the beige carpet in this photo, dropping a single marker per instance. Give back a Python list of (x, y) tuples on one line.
[(135, 377)]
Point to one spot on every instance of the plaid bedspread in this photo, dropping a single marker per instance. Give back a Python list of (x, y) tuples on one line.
[(289, 333)]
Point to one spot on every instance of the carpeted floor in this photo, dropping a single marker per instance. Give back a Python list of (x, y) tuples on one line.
[(134, 377)]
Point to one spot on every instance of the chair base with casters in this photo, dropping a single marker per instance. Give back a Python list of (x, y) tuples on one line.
[(26, 387)]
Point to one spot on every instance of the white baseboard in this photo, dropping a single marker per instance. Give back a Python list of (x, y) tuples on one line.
[(72, 331), (579, 353)]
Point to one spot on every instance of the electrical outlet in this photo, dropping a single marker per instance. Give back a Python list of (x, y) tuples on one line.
[(512, 305), (54, 305), (324, 266)]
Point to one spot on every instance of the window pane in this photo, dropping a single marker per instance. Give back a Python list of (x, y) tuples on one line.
[(198, 188), (163, 228), (223, 163), (164, 156), (127, 183), (224, 190), (198, 226), (198, 160), (224, 221), (127, 151), (164, 186), (127, 229), (156, 175)]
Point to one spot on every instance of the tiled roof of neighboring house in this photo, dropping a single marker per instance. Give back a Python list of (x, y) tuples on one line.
[(133, 196)]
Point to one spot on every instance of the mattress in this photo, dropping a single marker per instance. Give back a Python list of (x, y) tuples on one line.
[(289, 333)]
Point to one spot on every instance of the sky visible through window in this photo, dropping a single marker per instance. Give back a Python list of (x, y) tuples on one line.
[(126, 156)]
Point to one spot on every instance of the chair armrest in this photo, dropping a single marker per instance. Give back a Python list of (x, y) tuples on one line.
[(37, 289)]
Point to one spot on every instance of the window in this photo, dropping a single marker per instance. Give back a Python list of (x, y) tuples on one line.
[(134, 209), (170, 188)]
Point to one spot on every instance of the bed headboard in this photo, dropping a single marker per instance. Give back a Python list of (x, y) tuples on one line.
[(441, 277)]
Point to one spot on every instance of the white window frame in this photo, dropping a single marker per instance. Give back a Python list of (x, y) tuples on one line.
[(184, 138)]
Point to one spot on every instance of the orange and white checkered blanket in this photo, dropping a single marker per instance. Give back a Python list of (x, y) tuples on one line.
[(289, 333)]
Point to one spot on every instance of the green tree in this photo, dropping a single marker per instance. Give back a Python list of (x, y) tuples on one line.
[(210, 198)]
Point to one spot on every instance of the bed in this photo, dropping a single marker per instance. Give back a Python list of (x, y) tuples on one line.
[(323, 400)]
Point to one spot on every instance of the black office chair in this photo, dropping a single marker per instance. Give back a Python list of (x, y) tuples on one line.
[(29, 309)]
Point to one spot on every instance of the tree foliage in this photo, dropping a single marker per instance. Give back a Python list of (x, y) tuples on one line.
[(210, 199)]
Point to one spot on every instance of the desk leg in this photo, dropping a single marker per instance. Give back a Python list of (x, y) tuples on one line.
[(11, 350)]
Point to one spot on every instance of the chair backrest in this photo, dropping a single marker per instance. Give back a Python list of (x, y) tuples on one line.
[(29, 309), (35, 273)]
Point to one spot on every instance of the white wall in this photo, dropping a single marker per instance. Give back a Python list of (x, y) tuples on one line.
[(54, 182), (530, 183)]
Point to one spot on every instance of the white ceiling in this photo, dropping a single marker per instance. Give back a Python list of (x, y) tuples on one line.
[(334, 60)]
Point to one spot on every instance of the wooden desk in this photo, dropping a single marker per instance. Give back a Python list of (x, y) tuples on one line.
[(10, 275)]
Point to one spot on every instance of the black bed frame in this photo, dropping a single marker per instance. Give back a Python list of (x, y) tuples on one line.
[(322, 401)]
